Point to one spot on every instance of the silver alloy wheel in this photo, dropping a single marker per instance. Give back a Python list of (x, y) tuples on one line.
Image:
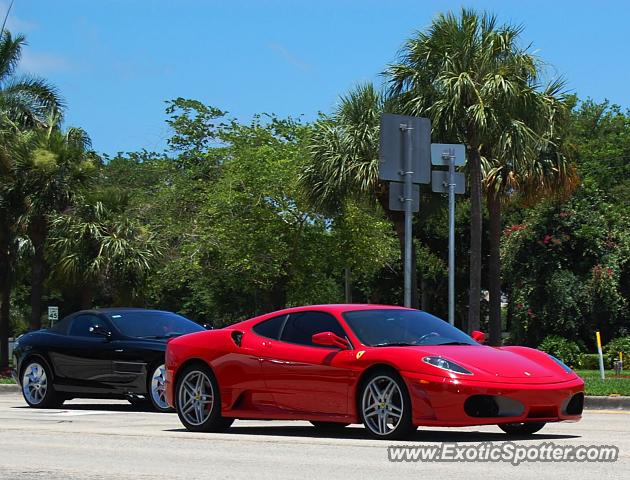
[(158, 387), (382, 405), (34, 383), (196, 397)]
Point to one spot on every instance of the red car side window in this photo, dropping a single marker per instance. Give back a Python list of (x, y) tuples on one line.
[(300, 327), (270, 328)]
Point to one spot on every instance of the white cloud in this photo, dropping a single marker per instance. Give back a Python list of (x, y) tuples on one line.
[(41, 63)]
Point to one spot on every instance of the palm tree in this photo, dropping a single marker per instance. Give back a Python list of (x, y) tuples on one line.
[(344, 160), (58, 165), (99, 248), (25, 102), (541, 171), (478, 86)]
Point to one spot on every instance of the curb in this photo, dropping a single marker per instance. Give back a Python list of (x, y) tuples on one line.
[(607, 403), (9, 388)]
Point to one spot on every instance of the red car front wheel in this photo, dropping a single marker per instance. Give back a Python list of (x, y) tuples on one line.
[(385, 405), (517, 429)]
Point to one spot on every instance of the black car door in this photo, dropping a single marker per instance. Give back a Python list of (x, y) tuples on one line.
[(133, 360), (84, 362)]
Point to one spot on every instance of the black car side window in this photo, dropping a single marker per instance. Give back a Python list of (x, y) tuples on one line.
[(81, 325), (61, 326), (300, 327), (270, 328)]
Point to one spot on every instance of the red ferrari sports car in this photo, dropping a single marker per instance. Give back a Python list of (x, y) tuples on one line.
[(390, 368)]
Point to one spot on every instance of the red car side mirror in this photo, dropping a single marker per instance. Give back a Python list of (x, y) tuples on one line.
[(329, 339), (478, 336)]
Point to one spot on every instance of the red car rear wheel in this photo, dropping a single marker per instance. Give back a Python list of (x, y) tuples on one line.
[(197, 400)]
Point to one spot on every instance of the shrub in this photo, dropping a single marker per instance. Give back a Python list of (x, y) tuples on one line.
[(612, 349), (566, 350), (590, 361)]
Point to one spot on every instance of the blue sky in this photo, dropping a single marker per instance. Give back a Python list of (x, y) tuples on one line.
[(117, 61)]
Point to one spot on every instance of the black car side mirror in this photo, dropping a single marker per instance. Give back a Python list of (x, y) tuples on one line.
[(98, 330)]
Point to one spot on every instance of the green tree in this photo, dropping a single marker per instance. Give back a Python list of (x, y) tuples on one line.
[(568, 268), (25, 102), (600, 135), (540, 170), (100, 249), (478, 86), (59, 164)]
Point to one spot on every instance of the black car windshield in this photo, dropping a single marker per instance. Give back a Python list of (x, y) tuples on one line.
[(393, 327), (152, 324)]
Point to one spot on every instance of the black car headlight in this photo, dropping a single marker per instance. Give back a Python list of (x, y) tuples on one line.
[(447, 365), (564, 366)]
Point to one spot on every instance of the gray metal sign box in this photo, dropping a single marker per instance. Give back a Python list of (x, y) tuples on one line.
[(458, 149), (393, 148), (439, 182), (397, 196)]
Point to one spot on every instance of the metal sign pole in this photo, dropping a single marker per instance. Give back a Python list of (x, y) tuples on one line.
[(451, 236), (408, 194), (449, 155)]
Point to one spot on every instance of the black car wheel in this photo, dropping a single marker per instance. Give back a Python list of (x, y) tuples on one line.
[(385, 406), (517, 429), (156, 388), (37, 387), (197, 400)]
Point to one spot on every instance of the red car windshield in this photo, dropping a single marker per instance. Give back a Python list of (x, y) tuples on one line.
[(392, 327)]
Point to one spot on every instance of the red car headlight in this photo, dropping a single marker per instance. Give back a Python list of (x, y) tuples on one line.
[(447, 365)]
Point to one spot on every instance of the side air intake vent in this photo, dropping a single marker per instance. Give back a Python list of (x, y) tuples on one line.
[(237, 336)]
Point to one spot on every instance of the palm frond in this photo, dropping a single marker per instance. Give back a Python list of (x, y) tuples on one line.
[(30, 101), (10, 53)]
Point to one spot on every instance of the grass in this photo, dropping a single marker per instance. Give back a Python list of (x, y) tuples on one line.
[(612, 385), (6, 380)]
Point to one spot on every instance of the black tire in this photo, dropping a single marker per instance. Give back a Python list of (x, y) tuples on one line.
[(521, 429), (214, 422), (50, 398), (151, 401), (403, 427), (329, 426)]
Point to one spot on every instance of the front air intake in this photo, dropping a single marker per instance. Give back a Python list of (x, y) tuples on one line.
[(481, 406), (493, 406), (576, 404)]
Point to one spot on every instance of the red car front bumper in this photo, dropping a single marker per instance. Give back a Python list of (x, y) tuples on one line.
[(455, 402)]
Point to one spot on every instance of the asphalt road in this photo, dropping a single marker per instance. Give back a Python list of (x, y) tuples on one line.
[(112, 440)]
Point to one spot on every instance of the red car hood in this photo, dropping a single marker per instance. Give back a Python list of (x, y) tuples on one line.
[(507, 364)]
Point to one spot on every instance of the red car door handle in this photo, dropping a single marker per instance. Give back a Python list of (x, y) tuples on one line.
[(266, 344)]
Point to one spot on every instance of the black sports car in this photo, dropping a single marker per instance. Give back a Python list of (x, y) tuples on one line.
[(104, 353)]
